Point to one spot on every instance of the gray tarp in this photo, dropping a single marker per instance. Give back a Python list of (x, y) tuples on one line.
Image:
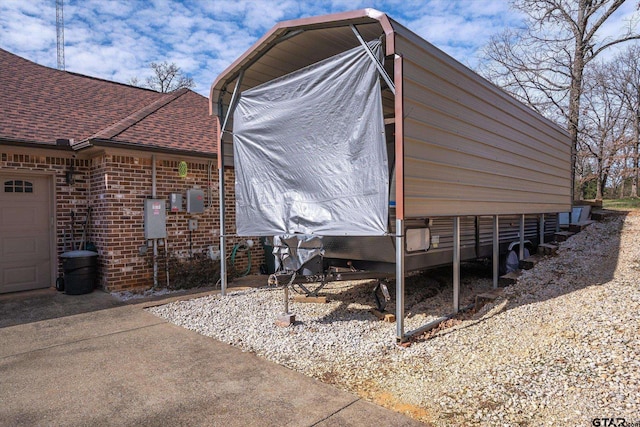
[(292, 252), (310, 154)]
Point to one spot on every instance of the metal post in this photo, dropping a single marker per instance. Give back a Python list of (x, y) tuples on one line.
[(223, 249), (496, 250), (286, 299), (221, 192), (521, 252), (541, 238), (456, 264), (400, 280)]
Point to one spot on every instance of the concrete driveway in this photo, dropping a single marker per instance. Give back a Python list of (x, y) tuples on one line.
[(92, 360)]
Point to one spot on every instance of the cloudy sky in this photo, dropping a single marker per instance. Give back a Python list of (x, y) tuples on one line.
[(117, 39)]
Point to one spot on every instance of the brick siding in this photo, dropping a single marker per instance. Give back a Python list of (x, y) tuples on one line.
[(115, 186)]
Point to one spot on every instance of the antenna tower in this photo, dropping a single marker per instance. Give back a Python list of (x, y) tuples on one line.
[(60, 33)]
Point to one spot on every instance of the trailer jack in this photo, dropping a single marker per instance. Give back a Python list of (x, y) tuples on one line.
[(381, 300)]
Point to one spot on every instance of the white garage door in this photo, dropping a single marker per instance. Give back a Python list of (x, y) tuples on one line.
[(25, 234)]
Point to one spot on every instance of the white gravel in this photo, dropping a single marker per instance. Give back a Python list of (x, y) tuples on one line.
[(128, 295), (561, 348)]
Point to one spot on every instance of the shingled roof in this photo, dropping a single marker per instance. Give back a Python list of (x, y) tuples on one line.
[(39, 105)]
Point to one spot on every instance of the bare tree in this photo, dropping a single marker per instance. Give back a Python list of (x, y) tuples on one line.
[(622, 172), (604, 124), (543, 64), (626, 80), (166, 78)]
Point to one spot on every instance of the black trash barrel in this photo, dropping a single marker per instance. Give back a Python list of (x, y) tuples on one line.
[(269, 258), (80, 268)]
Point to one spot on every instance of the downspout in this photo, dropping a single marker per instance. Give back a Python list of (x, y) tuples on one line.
[(155, 241), (209, 190)]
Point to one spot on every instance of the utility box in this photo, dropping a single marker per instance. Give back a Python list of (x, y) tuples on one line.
[(155, 219), (195, 200), (175, 202)]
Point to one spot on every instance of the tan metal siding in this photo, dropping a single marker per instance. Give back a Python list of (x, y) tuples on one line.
[(469, 149)]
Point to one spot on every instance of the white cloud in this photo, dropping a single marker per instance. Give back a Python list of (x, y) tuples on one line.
[(28, 27), (117, 39)]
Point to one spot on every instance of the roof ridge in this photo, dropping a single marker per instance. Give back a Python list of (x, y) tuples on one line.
[(120, 126), (72, 73)]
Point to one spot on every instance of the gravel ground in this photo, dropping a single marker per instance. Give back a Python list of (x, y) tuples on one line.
[(561, 347)]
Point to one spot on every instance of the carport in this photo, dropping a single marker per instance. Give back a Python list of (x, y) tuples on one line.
[(457, 147)]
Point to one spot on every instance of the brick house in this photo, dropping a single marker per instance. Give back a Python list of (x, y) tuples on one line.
[(70, 142)]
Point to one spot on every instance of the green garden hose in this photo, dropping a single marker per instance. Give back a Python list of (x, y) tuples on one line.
[(236, 248)]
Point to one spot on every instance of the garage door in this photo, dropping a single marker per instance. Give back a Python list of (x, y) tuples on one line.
[(25, 235)]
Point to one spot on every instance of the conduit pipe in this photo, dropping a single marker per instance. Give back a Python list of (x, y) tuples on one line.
[(155, 241)]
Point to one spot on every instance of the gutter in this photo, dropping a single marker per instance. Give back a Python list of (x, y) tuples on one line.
[(35, 144), (98, 142)]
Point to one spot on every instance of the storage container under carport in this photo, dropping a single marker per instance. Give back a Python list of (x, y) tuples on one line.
[(79, 271), (269, 258)]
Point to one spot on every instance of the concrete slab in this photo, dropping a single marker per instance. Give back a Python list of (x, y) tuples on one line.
[(123, 366), (33, 306), (53, 332)]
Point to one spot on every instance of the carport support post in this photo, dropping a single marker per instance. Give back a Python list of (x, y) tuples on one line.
[(223, 249), (399, 280), (541, 238), (521, 251), (456, 264), (496, 250)]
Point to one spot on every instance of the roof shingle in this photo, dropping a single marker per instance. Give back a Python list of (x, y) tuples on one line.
[(40, 104)]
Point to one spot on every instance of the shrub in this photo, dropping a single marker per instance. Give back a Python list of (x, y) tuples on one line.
[(195, 272)]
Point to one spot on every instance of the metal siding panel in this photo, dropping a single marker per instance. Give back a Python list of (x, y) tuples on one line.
[(482, 138), (509, 228), (482, 175), (447, 207), (475, 193), (420, 51), (471, 150), (475, 105)]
